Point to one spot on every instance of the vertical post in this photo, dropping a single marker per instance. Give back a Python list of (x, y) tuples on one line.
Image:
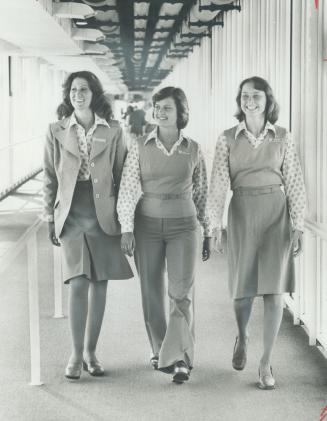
[(11, 124), (34, 316), (57, 284)]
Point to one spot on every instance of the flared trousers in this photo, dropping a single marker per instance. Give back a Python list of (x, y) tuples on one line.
[(168, 244)]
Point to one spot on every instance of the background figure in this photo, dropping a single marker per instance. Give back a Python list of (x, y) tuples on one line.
[(169, 169), (150, 121), (83, 160), (127, 114), (256, 158), (137, 122)]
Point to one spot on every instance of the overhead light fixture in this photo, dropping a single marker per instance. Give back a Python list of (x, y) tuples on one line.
[(81, 22), (72, 10), (92, 48), (87, 34)]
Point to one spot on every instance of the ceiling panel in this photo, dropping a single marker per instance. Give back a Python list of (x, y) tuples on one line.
[(135, 43)]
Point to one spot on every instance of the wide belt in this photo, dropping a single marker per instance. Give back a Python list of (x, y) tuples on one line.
[(256, 191), (167, 196)]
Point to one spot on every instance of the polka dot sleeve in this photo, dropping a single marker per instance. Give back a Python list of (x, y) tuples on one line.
[(200, 194), (219, 183), (130, 189), (294, 184)]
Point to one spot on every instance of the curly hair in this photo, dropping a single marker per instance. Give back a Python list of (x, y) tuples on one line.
[(181, 103), (272, 108), (99, 103)]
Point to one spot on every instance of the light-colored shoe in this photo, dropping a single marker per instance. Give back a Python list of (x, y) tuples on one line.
[(266, 381), (181, 372), (240, 355), (73, 371), (93, 367), (154, 361)]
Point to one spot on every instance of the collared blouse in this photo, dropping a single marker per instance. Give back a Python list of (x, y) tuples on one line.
[(131, 187), (291, 171), (85, 143)]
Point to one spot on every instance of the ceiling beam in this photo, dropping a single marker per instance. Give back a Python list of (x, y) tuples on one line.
[(187, 4), (153, 17), (125, 11)]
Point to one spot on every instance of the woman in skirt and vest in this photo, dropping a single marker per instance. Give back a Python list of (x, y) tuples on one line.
[(164, 183), (257, 160), (83, 160)]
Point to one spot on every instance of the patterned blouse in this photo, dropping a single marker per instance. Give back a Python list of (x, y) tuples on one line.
[(131, 188), (85, 144), (291, 171)]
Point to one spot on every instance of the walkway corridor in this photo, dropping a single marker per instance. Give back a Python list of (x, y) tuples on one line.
[(131, 390)]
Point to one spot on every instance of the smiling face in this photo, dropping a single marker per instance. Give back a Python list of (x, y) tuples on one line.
[(165, 112), (80, 94), (253, 101)]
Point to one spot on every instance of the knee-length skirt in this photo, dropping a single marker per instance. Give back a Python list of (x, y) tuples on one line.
[(260, 250), (85, 248)]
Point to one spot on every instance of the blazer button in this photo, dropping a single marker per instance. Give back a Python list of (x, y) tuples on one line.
[(97, 195), (92, 164), (95, 180)]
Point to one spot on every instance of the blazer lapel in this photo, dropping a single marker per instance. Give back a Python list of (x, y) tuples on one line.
[(67, 136), (100, 140)]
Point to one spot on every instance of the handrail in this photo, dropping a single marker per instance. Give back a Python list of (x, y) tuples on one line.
[(28, 239), (8, 190), (39, 138), (317, 228), (10, 255)]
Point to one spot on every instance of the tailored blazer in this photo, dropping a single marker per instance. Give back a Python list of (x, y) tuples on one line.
[(61, 167)]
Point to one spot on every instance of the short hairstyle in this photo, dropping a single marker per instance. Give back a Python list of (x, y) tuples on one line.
[(272, 108), (99, 103), (181, 103)]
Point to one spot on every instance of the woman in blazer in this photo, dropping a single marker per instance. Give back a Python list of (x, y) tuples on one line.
[(83, 159)]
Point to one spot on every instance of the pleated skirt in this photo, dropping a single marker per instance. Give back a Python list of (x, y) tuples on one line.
[(85, 248), (259, 244)]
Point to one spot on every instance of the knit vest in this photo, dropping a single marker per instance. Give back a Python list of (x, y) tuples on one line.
[(256, 167), (167, 180)]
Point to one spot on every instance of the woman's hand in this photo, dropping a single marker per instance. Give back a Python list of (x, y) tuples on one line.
[(297, 242), (127, 243), (52, 234), (221, 241), (206, 248)]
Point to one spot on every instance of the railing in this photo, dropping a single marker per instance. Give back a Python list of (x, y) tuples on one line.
[(29, 241), (10, 189), (309, 303)]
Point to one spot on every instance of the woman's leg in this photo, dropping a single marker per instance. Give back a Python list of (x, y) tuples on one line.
[(242, 309), (78, 308), (97, 303), (182, 247), (150, 253), (273, 313)]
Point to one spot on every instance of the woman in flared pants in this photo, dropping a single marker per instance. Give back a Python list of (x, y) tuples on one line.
[(169, 169)]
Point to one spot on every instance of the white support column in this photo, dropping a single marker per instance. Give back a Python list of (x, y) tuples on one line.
[(57, 283), (34, 316)]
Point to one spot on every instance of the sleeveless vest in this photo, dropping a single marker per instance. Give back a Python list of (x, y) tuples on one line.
[(256, 167), (167, 180)]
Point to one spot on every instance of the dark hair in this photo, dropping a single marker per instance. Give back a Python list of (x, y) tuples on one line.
[(181, 103), (272, 108), (99, 103)]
